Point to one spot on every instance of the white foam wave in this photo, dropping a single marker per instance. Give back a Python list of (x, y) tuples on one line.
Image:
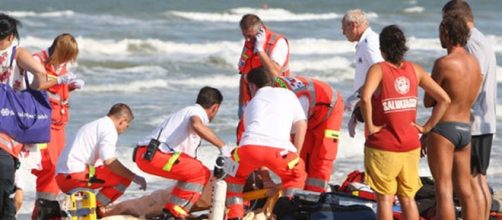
[(24, 14), (424, 43), (270, 14), (321, 64), (312, 46), (224, 81), (306, 53), (415, 9), (134, 86)]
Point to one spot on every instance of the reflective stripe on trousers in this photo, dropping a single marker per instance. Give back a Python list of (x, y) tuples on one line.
[(186, 204), (190, 186), (291, 192), (234, 200), (235, 188), (315, 182), (102, 199), (47, 196)]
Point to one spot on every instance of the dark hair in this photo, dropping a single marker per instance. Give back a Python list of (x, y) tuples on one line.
[(456, 29), (461, 6), (249, 20), (8, 26), (121, 109), (209, 96), (260, 77), (393, 44)]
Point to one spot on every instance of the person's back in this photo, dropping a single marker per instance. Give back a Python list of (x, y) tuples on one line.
[(449, 143), (461, 76), (264, 119), (82, 152)]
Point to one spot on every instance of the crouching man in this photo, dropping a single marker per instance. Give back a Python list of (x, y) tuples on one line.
[(272, 115), (90, 161), (170, 151)]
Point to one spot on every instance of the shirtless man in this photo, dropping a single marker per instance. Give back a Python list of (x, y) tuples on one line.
[(448, 145)]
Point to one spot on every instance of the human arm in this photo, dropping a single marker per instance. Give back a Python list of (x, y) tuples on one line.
[(205, 132), (26, 62), (300, 128), (274, 61), (437, 77), (439, 96), (373, 79), (118, 168)]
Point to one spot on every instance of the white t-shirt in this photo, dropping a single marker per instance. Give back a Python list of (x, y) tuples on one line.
[(484, 116), (269, 117), (367, 54), (94, 143), (280, 52), (177, 134)]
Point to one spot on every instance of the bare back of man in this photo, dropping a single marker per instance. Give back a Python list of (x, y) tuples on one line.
[(448, 145)]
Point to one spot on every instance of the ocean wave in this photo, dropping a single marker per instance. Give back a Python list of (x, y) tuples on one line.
[(270, 14), (134, 85), (320, 64), (24, 14), (306, 54), (414, 9)]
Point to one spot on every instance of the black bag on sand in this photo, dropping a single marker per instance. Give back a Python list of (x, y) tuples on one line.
[(330, 206)]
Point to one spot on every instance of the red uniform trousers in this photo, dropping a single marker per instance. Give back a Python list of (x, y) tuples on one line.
[(321, 144), (47, 188), (287, 165), (190, 173), (112, 187)]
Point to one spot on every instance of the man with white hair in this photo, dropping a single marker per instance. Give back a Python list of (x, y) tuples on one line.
[(355, 27)]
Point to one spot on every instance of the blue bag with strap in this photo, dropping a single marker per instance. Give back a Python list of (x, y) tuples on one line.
[(25, 115)]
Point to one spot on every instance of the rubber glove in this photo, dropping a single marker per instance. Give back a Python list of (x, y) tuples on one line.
[(140, 181), (66, 78), (260, 38), (77, 84), (225, 151), (352, 124), (351, 102)]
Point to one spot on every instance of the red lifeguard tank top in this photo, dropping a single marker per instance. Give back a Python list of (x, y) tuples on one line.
[(395, 106)]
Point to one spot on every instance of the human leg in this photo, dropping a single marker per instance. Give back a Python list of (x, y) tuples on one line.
[(191, 176), (481, 146), (462, 181), (7, 172), (245, 156), (326, 124), (408, 183), (384, 206), (409, 208), (440, 157)]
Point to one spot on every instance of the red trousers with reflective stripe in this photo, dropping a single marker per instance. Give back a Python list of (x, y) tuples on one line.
[(252, 157), (113, 187), (186, 169), (319, 151), (45, 181)]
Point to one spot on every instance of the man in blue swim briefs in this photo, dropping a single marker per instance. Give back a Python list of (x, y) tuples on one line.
[(448, 144)]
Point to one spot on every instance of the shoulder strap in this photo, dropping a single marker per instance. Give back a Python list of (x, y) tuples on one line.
[(12, 56)]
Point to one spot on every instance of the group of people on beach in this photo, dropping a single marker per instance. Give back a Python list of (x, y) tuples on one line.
[(288, 124)]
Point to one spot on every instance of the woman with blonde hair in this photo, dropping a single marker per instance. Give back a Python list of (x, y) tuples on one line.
[(56, 59)]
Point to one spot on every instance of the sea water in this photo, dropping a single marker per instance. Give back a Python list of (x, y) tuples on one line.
[(156, 55)]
